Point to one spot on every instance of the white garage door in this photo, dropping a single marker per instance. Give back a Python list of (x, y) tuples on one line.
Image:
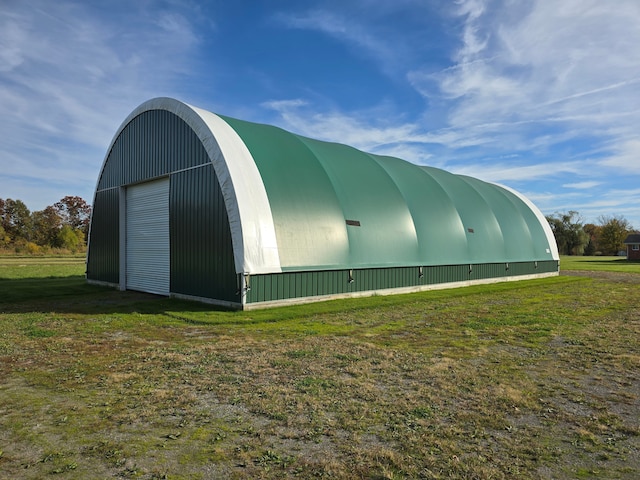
[(147, 244)]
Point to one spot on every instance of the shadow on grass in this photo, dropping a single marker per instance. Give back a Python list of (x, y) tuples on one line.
[(72, 294)]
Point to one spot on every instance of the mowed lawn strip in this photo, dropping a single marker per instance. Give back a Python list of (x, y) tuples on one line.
[(604, 264), (535, 379)]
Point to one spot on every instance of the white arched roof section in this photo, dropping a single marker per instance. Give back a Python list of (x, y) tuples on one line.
[(253, 235), (245, 195), (553, 247)]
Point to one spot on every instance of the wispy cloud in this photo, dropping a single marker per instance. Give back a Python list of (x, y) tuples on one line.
[(582, 185), (284, 106), (366, 38), (519, 72), (539, 62), (338, 27), (473, 41), (625, 157), (355, 130), (593, 202), (509, 172), (69, 75)]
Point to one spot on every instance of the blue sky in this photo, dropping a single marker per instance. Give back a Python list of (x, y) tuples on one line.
[(542, 96)]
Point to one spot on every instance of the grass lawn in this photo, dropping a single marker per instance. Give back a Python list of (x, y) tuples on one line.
[(532, 379), (608, 264)]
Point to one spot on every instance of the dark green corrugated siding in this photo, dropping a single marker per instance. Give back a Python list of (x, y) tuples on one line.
[(280, 286), (103, 259), (153, 144), (158, 143), (201, 249)]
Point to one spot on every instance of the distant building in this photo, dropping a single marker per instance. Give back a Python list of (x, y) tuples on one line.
[(196, 205), (633, 246)]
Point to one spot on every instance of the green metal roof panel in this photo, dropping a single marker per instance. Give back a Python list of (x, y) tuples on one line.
[(439, 229), (485, 242), (307, 214), (515, 234), (335, 206), (536, 244), (381, 232)]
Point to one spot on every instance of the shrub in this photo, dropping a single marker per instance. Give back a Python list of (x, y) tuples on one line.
[(32, 248), (70, 239)]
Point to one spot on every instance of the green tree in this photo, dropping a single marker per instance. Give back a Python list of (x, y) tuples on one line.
[(46, 226), (4, 238), (569, 232), (69, 238), (15, 220), (613, 231), (75, 212)]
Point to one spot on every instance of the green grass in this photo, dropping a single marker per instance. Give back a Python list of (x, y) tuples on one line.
[(532, 379), (21, 277), (607, 264)]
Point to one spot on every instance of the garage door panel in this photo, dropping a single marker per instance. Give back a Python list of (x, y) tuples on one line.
[(147, 247)]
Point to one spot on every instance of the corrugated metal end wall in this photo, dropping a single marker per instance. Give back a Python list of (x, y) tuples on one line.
[(103, 259), (282, 286), (158, 143), (202, 262)]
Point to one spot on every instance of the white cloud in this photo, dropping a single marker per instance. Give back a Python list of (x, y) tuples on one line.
[(582, 185), (531, 66), (510, 172), (338, 27), (284, 105), (625, 158), (472, 44), (70, 73), (354, 130), (365, 38), (591, 204)]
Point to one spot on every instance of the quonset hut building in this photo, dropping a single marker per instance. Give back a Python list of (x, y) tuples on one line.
[(197, 205)]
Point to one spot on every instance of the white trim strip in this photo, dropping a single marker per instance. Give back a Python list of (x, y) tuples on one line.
[(237, 170)]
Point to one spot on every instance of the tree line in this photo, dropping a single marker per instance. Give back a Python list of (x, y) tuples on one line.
[(65, 226), (574, 237), (61, 226)]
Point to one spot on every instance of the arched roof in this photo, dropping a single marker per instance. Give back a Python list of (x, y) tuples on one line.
[(298, 204)]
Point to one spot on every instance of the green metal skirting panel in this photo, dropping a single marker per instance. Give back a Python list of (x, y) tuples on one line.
[(290, 285)]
